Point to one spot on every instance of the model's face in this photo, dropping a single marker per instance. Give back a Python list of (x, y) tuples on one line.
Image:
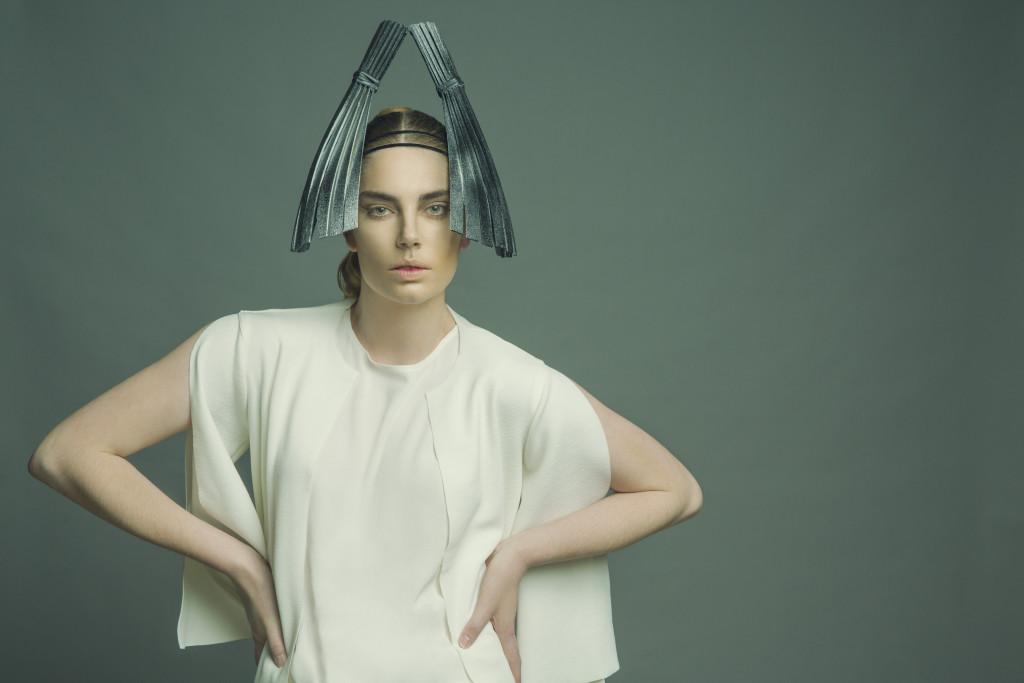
[(407, 253)]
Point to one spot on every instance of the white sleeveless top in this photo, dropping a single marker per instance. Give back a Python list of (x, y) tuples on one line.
[(378, 528), (513, 443)]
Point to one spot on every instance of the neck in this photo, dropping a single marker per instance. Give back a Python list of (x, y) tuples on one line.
[(399, 334)]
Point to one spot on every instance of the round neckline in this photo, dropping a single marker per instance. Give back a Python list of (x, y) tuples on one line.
[(403, 368)]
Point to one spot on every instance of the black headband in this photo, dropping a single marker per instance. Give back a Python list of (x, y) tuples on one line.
[(404, 144)]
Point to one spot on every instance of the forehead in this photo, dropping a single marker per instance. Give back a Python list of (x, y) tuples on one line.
[(404, 171)]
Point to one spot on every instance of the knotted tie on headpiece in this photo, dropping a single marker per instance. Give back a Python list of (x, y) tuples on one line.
[(473, 179), (330, 200)]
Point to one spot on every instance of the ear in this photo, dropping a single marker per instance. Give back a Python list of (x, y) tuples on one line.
[(350, 239), (465, 243)]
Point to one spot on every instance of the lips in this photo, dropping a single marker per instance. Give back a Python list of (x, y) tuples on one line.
[(409, 270), (409, 267)]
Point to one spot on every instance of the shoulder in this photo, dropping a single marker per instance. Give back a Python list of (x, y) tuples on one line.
[(259, 333), (287, 322), (512, 375), (487, 351), (297, 321)]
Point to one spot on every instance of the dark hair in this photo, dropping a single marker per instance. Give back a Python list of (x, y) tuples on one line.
[(392, 126)]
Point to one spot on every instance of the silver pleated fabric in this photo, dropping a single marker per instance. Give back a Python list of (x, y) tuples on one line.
[(473, 185), (330, 199)]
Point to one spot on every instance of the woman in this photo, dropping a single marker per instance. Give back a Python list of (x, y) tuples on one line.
[(402, 536)]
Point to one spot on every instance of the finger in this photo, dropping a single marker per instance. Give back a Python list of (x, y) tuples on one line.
[(469, 634), (510, 646), (276, 640), (259, 648), (473, 627)]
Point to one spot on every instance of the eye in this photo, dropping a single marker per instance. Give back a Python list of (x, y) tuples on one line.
[(437, 209), (376, 211)]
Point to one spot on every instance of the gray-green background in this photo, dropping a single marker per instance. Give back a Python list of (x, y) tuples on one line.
[(785, 238)]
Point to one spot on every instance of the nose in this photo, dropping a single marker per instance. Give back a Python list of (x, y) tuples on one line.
[(408, 232)]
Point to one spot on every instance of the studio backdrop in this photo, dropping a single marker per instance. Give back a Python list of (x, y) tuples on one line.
[(784, 238)]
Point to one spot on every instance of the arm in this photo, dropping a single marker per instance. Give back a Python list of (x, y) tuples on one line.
[(84, 458), (653, 491)]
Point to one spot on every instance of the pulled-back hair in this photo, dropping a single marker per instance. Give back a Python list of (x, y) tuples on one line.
[(392, 126)]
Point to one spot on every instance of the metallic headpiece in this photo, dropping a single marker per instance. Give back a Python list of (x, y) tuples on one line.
[(330, 199)]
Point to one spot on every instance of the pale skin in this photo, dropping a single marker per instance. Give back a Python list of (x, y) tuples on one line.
[(399, 318)]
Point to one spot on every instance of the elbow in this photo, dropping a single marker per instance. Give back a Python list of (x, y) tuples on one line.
[(46, 464), (41, 465), (38, 465), (691, 499)]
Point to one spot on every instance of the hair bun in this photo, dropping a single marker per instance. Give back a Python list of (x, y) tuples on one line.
[(392, 110)]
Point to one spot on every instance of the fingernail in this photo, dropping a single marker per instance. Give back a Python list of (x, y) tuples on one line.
[(279, 660), (464, 641)]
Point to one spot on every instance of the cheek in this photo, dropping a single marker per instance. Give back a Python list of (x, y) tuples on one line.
[(454, 249), (456, 242)]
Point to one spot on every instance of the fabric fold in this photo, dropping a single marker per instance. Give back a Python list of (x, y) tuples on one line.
[(215, 492), (566, 466)]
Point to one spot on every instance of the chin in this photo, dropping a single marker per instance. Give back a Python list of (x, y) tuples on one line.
[(409, 297)]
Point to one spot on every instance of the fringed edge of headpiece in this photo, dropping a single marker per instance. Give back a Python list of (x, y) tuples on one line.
[(474, 187), (338, 161)]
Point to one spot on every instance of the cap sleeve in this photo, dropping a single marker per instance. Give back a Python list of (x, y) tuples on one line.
[(215, 492), (564, 620)]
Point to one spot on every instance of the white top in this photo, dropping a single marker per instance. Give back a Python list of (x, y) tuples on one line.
[(378, 531), (516, 444)]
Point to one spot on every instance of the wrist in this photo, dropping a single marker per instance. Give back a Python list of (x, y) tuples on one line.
[(242, 563), (515, 550)]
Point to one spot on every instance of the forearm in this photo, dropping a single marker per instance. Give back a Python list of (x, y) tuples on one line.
[(613, 522), (112, 488)]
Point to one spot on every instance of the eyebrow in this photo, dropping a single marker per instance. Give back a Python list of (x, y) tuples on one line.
[(372, 194)]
